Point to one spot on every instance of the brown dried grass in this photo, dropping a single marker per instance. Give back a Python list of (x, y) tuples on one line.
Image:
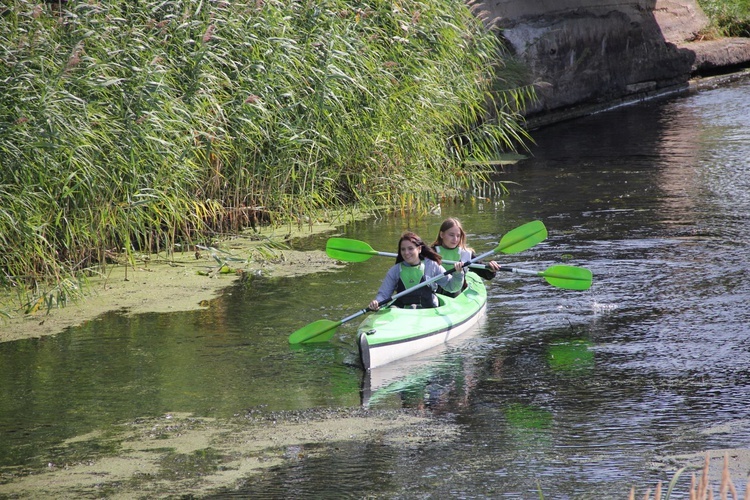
[(700, 489)]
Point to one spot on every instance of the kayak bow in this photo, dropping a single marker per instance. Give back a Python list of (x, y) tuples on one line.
[(395, 333)]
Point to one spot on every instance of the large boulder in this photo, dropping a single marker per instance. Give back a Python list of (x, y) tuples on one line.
[(588, 53)]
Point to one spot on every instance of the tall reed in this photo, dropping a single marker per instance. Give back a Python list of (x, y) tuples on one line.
[(139, 125)]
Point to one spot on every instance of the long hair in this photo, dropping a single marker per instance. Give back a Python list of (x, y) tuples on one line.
[(425, 252), (447, 224)]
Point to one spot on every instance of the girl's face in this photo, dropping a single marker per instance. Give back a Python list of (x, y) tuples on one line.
[(451, 237), (410, 252)]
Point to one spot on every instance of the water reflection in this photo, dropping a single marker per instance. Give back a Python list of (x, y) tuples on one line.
[(576, 393)]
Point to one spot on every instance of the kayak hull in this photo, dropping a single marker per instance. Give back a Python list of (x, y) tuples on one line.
[(393, 333)]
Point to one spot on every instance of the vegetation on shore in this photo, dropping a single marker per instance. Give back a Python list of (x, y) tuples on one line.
[(728, 17), (138, 126), (700, 485)]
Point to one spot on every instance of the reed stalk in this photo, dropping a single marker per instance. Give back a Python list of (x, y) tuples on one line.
[(700, 488), (136, 126)]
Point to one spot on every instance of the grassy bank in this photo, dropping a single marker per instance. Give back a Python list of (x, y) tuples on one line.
[(138, 126), (728, 17)]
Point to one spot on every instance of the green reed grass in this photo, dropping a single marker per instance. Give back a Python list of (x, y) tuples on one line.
[(131, 126), (728, 17)]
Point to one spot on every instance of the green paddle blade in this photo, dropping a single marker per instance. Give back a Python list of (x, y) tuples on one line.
[(349, 250), (523, 237), (569, 277), (317, 331)]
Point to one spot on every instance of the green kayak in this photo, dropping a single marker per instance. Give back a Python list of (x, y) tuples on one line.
[(393, 333)]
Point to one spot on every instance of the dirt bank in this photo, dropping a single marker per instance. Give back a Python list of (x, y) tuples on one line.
[(184, 281)]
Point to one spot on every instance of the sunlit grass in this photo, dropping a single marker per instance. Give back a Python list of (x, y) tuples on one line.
[(728, 17), (131, 127)]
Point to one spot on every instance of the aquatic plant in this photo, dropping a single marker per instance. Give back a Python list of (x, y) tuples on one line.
[(134, 127)]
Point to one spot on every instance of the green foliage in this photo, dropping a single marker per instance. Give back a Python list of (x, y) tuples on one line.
[(131, 126), (728, 17)]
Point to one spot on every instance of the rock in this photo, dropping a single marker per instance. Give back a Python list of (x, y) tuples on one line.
[(712, 55), (586, 55)]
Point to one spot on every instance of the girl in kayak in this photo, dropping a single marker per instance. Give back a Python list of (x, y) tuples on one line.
[(451, 245), (416, 263)]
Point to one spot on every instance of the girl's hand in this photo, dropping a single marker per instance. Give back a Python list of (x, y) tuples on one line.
[(493, 265), (374, 306), (458, 266)]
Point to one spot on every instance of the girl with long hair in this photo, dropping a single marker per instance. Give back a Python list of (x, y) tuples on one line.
[(416, 263), (450, 244)]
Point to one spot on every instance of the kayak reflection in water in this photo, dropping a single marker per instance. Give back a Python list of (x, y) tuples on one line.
[(417, 263)]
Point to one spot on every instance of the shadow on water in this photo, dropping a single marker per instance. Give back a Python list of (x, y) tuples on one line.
[(578, 394)]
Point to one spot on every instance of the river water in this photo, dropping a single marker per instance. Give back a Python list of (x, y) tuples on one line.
[(574, 394)]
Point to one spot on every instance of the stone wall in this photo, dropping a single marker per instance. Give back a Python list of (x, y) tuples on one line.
[(589, 53)]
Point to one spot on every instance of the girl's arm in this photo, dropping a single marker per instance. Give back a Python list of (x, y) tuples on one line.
[(451, 283), (487, 274), (387, 287)]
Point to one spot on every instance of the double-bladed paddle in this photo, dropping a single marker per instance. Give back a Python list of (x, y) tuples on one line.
[(561, 276), (515, 240)]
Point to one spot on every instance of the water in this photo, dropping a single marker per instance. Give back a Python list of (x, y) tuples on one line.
[(581, 394)]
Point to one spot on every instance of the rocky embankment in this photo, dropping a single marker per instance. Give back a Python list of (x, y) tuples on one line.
[(585, 55)]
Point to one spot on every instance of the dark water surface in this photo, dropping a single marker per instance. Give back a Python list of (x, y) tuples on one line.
[(581, 394)]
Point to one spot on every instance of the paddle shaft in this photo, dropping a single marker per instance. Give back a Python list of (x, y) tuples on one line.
[(515, 240), (434, 279), (516, 236), (394, 255), (562, 276), (322, 329), (479, 266)]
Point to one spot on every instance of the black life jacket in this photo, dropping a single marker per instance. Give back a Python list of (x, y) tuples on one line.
[(411, 276)]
